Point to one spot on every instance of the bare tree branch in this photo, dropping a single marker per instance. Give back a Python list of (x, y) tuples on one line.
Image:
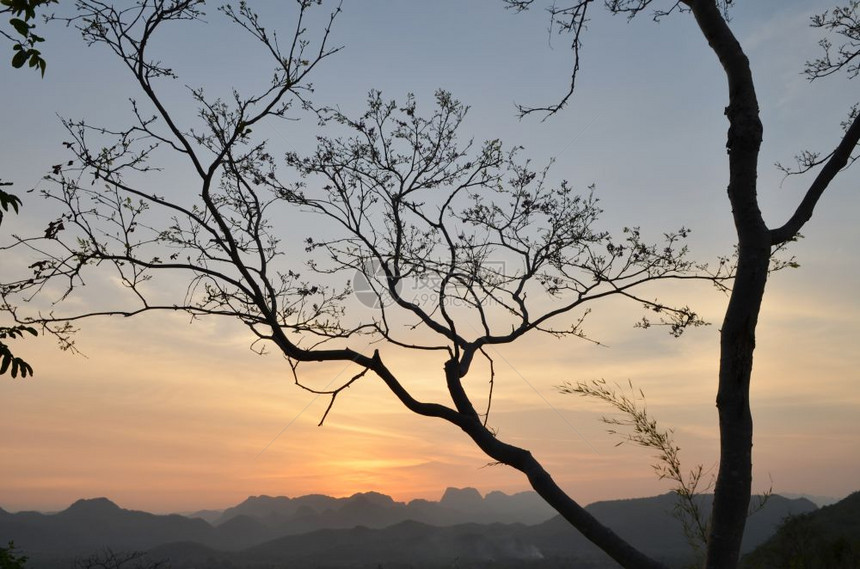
[(837, 161), (842, 21)]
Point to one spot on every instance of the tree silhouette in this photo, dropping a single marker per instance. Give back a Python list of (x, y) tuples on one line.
[(9, 362), (110, 559), (9, 559), (405, 200), (398, 198)]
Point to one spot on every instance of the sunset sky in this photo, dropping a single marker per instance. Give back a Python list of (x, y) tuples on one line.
[(166, 416)]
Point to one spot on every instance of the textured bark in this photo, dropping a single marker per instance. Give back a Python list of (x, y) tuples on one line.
[(737, 336)]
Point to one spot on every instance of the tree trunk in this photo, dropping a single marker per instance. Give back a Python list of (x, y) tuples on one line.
[(737, 340), (734, 478)]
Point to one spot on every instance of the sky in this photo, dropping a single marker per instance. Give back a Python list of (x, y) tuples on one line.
[(165, 415)]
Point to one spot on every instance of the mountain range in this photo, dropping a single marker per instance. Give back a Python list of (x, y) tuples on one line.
[(366, 529)]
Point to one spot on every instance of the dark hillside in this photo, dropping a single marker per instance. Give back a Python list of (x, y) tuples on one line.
[(825, 539)]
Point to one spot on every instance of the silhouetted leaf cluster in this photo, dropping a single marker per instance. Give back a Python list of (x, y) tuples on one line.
[(24, 38)]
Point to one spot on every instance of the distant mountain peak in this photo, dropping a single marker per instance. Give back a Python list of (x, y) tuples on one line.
[(461, 498), (372, 498), (818, 500), (265, 498), (92, 506)]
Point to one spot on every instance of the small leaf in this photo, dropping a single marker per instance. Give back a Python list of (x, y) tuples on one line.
[(7, 200), (20, 26), (19, 60)]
